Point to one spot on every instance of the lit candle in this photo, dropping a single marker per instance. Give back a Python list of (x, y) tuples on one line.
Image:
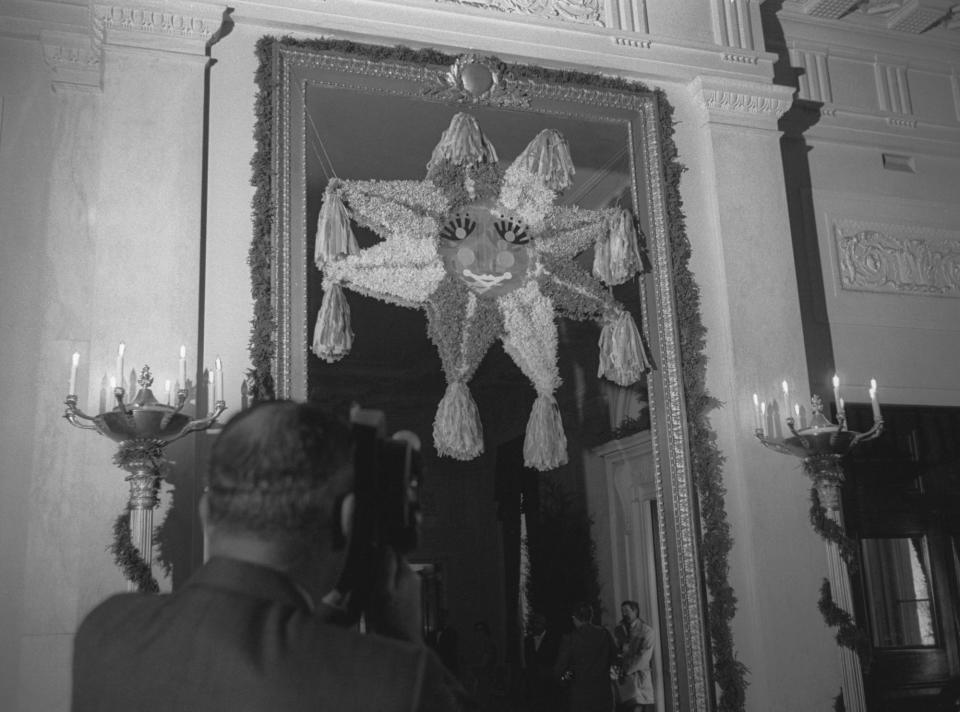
[(73, 374), (218, 391), (796, 410), (120, 350), (211, 391), (756, 412), (763, 417), (836, 394), (786, 399), (183, 367), (874, 403), (166, 388)]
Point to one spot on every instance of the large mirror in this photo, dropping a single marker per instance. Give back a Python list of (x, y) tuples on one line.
[(338, 118)]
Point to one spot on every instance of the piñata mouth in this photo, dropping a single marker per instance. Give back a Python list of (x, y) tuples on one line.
[(481, 283)]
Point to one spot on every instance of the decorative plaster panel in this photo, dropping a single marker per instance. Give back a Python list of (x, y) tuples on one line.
[(733, 23), (588, 11), (814, 80), (887, 258), (73, 60), (892, 88)]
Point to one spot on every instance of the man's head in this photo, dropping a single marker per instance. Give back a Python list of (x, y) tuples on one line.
[(582, 614), (630, 610), (276, 472)]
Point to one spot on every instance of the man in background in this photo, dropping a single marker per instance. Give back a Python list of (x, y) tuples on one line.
[(585, 657), (540, 648), (250, 631)]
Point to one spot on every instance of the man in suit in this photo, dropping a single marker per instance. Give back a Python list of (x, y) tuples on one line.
[(252, 630), (540, 648), (584, 661)]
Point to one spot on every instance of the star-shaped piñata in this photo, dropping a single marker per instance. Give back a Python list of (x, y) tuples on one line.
[(487, 255)]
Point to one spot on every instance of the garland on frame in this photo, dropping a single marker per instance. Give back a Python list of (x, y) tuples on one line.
[(706, 460)]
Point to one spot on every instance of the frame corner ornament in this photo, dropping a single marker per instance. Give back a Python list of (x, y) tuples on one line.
[(478, 79)]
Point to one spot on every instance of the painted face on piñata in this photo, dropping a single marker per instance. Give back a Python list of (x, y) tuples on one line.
[(487, 253), (486, 248)]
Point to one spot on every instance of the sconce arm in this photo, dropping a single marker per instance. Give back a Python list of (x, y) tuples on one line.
[(74, 415), (201, 423)]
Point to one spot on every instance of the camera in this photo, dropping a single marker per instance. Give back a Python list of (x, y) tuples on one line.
[(386, 510), (387, 473)]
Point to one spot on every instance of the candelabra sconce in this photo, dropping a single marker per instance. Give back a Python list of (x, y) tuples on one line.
[(821, 447), (142, 428)]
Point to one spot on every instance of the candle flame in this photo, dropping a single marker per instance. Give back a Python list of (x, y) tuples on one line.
[(836, 381), (76, 358), (756, 400), (219, 365), (873, 385), (121, 348), (183, 351)]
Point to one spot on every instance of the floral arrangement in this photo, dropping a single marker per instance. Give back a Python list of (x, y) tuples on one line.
[(487, 254)]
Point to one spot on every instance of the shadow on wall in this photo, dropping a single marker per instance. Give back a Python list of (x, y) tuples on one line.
[(794, 150)]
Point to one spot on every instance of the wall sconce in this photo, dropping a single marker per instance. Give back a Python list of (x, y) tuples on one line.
[(821, 447), (143, 428)]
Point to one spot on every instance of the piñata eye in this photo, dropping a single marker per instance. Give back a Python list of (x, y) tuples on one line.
[(512, 231), (459, 227)]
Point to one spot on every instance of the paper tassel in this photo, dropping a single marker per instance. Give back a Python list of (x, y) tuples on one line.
[(545, 446), (332, 336), (463, 144), (615, 258), (334, 235), (623, 356), (457, 432), (548, 157)]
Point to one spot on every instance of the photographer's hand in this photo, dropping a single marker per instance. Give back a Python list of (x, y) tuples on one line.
[(394, 606)]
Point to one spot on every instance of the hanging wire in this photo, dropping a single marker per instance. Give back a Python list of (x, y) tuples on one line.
[(326, 165)]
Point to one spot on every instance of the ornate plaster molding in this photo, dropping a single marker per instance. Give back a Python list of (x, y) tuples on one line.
[(897, 259), (738, 58), (635, 42), (584, 11), (738, 102), (74, 62), (172, 27)]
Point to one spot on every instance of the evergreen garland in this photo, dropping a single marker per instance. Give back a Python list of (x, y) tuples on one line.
[(848, 634), (128, 558), (706, 459)]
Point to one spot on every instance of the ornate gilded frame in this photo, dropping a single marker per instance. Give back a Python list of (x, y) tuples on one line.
[(280, 333)]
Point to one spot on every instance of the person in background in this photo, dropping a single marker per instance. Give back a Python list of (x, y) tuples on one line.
[(540, 649), (584, 662), (483, 663), (444, 641), (252, 630), (633, 686)]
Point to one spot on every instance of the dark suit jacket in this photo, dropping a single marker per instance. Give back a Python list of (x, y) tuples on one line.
[(542, 685), (241, 638), (588, 652)]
